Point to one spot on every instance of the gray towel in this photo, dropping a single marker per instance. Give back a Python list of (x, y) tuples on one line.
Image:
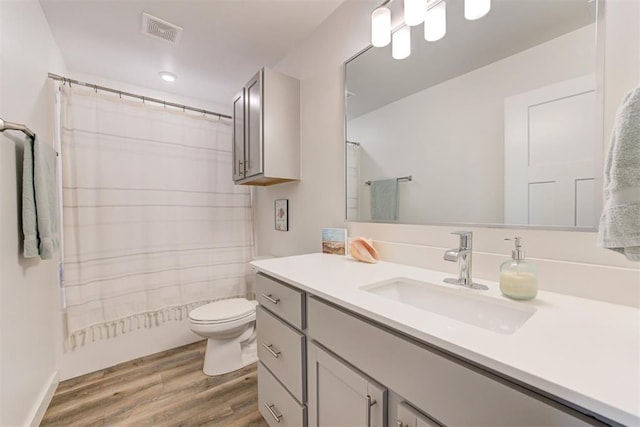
[(39, 200), (620, 221), (384, 200)]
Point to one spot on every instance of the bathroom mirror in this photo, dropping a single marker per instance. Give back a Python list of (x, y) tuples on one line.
[(497, 123)]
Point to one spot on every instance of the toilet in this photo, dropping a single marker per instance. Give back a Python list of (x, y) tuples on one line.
[(229, 326)]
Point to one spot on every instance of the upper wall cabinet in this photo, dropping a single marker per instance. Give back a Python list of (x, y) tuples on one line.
[(266, 130)]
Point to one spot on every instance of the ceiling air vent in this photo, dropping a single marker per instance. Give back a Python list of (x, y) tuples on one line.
[(160, 29)]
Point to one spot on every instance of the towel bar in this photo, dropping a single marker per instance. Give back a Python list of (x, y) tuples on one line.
[(401, 179)]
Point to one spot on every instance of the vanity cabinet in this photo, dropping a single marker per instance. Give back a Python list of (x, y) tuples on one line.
[(340, 395), (266, 130), (281, 350), (408, 416), (333, 367), (282, 353), (276, 405), (449, 390)]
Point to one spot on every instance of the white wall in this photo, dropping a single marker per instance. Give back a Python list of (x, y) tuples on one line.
[(316, 201), (622, 55), (593, 273), (412, 135), (28, 287)]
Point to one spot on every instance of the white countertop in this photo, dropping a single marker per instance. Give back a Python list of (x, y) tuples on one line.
[(584, 351)]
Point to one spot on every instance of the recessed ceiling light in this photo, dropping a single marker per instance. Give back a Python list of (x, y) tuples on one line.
[(167, 76)]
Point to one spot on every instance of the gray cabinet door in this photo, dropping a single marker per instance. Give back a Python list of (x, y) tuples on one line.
[(340, 396), (238, 136), (254, 103)]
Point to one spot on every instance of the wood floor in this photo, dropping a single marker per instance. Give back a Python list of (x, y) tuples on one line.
[(164, 389)]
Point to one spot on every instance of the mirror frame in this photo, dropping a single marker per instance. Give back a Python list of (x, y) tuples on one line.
[(599, 155)]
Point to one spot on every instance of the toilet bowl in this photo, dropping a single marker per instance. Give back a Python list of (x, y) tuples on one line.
[(229, 326)]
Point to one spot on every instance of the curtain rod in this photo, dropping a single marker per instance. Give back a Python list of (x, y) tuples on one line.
[(133, 95)]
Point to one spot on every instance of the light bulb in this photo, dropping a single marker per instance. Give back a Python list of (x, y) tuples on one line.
[(414, 11), (167, 76), (381, 26), (435, 23), (476, 9), (401, 44)]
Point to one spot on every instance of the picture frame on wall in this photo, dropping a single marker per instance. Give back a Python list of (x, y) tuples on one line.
[(282, 214)]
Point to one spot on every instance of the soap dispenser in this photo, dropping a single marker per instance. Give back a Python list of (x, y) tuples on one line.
[(518, 277)]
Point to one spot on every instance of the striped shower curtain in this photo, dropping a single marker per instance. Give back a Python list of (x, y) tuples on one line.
[(153, 225)]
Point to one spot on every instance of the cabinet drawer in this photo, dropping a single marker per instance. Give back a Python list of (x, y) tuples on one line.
[(280, 299), (281, 348), (275, 404)]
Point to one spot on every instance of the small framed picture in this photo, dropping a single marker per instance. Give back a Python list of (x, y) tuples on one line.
[(334, 241), (282, 214)]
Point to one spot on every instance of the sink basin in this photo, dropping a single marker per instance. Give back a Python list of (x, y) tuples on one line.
[(458, 304)]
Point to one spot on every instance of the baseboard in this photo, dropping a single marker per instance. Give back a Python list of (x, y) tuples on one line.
[(101, 354), (44, 399)]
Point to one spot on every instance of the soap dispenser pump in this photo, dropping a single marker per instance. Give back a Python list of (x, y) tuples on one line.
[(518, 277)]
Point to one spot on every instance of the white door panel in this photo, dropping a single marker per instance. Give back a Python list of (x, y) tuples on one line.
[(549, 154)]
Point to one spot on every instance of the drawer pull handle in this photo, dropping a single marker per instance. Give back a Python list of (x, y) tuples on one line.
[(270, 299), (272, 412), (275, 354), (370, 403)]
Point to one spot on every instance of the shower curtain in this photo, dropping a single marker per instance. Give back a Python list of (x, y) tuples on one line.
[(153, 225)]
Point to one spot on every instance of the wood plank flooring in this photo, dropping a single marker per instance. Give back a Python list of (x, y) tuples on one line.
[(163, 389)]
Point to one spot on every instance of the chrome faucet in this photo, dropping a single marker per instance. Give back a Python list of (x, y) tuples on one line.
[(463, 254)]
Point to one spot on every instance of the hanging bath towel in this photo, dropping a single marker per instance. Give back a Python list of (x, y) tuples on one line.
[(384, 200), (620, 221), (39, 202)]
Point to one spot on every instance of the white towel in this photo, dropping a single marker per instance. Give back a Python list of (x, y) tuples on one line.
[(620, 221), (384, 200), (39, 200)]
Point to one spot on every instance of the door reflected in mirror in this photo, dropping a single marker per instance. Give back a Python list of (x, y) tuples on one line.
[(496, 123)]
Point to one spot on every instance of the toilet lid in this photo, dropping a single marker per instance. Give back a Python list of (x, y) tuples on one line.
[(223, 311)]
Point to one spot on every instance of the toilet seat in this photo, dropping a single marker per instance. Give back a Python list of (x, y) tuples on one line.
[(224, 311)]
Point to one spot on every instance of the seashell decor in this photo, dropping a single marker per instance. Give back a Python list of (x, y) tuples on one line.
[(362, 249)]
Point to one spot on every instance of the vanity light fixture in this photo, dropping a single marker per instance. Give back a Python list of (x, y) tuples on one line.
[(414, 12), (476, 9), (167, 76), (432, 12), (381, 26), (435, 23), (401, 43)]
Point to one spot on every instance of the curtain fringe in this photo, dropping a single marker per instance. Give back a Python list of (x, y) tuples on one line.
[(138, 321)]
